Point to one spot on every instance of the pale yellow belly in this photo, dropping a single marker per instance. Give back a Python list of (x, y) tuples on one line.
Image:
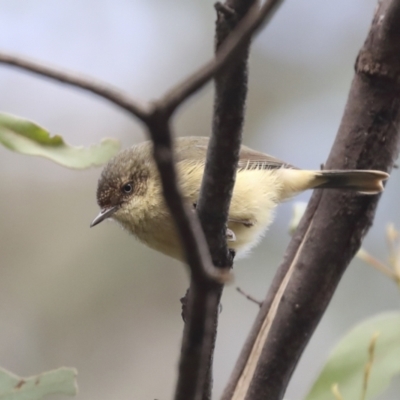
[(255, 196)]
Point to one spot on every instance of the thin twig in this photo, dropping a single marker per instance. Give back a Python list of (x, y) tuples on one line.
[(377, 264), (368, 366), (253, 21), (104, 90), (249, 297), (175, 96), (189, 229)]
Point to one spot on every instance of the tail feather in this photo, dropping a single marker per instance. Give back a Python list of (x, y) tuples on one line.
[(366, 182)]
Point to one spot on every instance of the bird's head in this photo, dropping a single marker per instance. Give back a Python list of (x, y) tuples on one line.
[(123, 184)]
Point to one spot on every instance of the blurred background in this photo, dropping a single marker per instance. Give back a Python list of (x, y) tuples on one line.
[(96, 299)]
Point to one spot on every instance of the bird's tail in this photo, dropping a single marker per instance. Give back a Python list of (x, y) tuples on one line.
[(366, 182), (363, 181)]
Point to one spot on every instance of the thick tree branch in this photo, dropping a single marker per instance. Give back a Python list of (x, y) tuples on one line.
[(195, 346), (224, 146), (334, 224), (214, 200)]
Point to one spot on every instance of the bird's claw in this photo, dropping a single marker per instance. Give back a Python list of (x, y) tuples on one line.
[(230, 235)]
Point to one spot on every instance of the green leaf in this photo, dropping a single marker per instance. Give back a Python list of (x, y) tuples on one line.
[(61, 381), (26, 137), (347, 362)]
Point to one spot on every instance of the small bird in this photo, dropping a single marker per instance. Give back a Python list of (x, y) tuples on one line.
[(129, 191)]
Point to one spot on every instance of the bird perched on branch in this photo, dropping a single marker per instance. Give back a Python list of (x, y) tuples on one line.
[(129, 191)]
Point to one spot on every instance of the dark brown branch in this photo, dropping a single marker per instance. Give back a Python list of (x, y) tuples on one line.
[(197, 347), (106, 91), (223, 155), (227, 53), (213, 204), (176, 95), (189, 229), (224, 146), (334, 224), (194, 348), (217, 187)]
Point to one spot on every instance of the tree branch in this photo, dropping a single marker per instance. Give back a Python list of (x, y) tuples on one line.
[(334, 224), (175, 96), (213, 204), (104, 90), (188, 226), (228, 51)]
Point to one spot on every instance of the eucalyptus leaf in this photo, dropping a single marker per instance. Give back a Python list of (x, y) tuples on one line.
[(60, 381), (346, 364), (26, 137)]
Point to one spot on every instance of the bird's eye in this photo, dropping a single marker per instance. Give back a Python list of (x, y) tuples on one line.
[(127, 188)]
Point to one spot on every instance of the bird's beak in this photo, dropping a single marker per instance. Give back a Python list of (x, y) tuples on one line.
[(104, 214)]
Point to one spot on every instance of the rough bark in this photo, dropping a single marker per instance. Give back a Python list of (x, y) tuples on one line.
[(334, 224)]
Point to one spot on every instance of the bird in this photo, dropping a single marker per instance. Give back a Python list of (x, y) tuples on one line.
[(130, 192)]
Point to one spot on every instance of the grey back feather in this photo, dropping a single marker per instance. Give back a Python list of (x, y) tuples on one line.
[(195, 149)]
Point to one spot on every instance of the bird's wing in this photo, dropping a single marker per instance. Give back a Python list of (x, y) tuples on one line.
[(191, 149), (195, 150), (251, 159)]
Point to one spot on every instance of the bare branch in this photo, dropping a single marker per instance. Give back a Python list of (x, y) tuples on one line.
[(223, 150), (189, 229), (335, 222), (194, 347), (230, 49), (218, 180), (104, 90), (249, 297), (212, 208), (175, 96)]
